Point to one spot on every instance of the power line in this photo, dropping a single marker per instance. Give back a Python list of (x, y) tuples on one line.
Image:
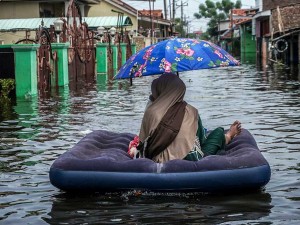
[(182, 5)]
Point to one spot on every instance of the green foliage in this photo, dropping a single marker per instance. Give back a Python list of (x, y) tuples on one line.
[(216, 11), (6, 86), (179, 27), (191, 35), (6, 110), (205, 36)]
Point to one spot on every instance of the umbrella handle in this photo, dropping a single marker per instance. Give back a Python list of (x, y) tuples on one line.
[(131, 74)]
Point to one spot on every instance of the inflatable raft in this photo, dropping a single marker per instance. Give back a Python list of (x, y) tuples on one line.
[(100, 163)]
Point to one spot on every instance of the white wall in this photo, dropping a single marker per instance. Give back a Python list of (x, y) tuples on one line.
[(224, 25), (259, 4)]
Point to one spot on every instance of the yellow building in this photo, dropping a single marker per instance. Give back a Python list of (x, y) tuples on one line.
[(12, 9), (18, 17)]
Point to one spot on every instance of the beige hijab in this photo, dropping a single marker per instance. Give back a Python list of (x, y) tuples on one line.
[(166, 91)]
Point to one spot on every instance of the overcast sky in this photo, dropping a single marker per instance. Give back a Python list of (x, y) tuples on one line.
[(189, 10)]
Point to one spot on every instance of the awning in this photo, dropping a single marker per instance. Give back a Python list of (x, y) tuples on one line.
[(107, 21), (35, 23)]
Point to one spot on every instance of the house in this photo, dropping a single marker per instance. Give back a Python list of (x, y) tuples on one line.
[(17, 16), (198, 33), (58, 43), (153, 20), (277, 30), (247, 42), (230, 32)]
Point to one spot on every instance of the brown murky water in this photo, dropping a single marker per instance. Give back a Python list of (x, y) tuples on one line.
[(35, 132)]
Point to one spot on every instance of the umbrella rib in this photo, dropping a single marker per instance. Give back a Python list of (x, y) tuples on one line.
[(175, 55)]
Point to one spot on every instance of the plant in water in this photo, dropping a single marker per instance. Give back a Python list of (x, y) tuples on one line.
[(6, 86), (6, 110)]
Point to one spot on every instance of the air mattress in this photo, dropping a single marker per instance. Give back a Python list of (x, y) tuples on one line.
[(100, 163)]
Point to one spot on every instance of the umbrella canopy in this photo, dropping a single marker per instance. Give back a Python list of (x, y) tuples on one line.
[(175, 55)]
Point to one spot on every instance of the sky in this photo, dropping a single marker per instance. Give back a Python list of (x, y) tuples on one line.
[(188, 11)]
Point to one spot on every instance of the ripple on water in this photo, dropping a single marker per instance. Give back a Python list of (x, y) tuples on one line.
[(267, 104)]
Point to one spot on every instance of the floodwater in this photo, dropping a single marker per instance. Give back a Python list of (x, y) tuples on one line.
[(36, 131)]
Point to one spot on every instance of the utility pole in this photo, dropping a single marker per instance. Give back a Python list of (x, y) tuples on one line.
[(151, 22), (165, 9), (187, 22), (170, 9), (181, 5), (232, 30), (181, 16), (173, 16)]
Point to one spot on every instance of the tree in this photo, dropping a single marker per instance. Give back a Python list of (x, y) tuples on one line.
[(179, 27), (216, 12)]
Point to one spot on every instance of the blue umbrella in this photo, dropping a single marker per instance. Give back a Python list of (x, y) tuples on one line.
[(175, 55)]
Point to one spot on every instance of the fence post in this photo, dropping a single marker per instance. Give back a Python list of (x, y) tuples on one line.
[(133, 48), (114, 58), (101, 57), (123, 48), (62, 63), (26, 69)]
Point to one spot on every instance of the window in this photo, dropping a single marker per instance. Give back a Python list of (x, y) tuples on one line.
[(52, 9)]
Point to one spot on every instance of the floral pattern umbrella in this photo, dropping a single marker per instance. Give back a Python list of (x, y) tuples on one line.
[(175, 55)]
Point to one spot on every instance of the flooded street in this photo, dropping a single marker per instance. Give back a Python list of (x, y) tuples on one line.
[(35, 132)]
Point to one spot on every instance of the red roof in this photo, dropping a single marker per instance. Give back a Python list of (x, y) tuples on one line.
[(239, 12), (156, 13), (243, 12), (241, 21), (199, 32)]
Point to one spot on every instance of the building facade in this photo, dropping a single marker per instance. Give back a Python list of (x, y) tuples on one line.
[(41, 9), (277, 30)]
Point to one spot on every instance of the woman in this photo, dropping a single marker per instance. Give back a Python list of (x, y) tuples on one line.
[(189, 142)]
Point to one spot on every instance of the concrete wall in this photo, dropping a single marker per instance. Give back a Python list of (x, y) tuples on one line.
[(224, 25), (12, 10), (264, 52), (259, 4), (104, 9), (13, 37)]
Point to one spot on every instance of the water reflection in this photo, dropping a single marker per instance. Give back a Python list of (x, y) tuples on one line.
[(281, 78), (6, 109), (149, 208), (37, 130)]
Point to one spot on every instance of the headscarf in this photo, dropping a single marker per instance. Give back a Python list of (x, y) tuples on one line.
[(165, 92)]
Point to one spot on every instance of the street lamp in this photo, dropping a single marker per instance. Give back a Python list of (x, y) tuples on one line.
[(100, 31), (58, 26), (112, 32), (131, 33), (141, 30)]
